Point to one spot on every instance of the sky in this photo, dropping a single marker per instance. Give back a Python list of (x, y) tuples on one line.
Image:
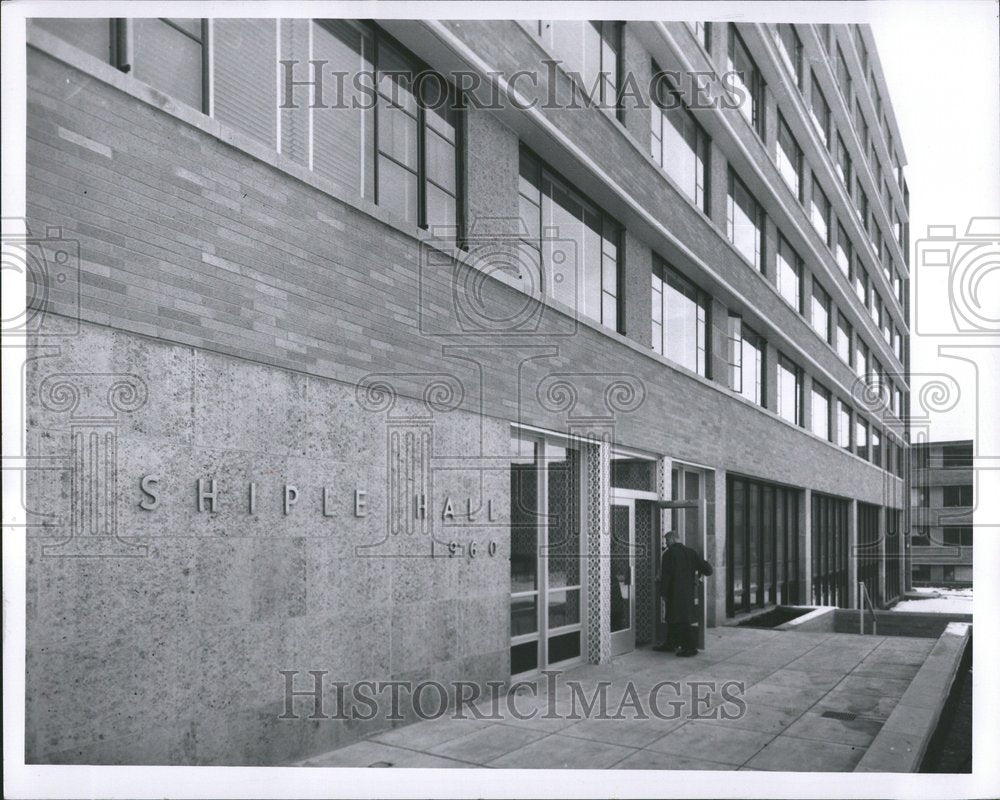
[(942, 67)]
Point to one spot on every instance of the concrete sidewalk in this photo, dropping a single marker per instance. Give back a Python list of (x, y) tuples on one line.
[(793, 681)]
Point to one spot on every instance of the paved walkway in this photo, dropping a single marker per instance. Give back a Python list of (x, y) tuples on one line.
[(792, 680)]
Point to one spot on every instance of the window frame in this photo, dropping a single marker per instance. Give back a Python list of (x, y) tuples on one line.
[(760, 223), (669, 276), (787, 365)]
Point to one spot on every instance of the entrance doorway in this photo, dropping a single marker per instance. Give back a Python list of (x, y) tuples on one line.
[(546, 566)]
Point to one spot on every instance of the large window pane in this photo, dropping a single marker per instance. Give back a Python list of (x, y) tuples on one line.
[(789, 274), (789, 391), (579, 249), (680, 319), (746, 222), (820, 412), (678, 143), (819, 316), (789, 158)]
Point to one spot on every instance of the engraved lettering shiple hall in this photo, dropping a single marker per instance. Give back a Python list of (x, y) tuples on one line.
[(404, 375)]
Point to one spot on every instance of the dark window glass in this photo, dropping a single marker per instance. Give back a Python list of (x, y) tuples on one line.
[(523, 657), (958, 455), (958, 496), (957, 536), (564, 646), (747, 77), (791, 50), (861, 438)]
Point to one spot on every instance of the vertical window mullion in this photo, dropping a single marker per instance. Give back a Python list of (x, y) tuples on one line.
[(421, 161)]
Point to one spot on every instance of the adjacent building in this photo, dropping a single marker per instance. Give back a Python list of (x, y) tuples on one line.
[(374, 348), (943, 500)]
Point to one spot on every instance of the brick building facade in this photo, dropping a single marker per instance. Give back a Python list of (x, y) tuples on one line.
[(393, 392)]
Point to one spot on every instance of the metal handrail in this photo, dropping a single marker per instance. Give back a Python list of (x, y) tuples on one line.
[(862, 596)]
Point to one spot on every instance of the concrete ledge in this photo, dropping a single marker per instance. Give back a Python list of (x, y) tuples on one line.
[(819, 620), (901, 744)]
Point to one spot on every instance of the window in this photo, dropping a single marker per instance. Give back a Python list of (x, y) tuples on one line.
[(876, 447), (861, 359), (746, 222), (898, 345), (819, 211), (168, 54), (877, 378), (591, 51), (843, 77), (747, 78), (843, 342), (678, 143), (844, 425), (680, 317), (790, 47), (861, 203), (956, 456), (861, 437), (587, 279), (861, 283), (789, 391), (831, 550), (861, 126), (762, 545), (819, 311), (897, 400), (876, 309), (416, 154), (820, 412), (789, 158), (859, 45), (958, 496), (843, 163), (789, 274), (746, 361), (820, 112), (703, 33), (411, 168), (844, 252), (957, 536)]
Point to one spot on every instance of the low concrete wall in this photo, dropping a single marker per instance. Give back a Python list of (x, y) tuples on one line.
[(819, 620), (926, 625), (901, 744)]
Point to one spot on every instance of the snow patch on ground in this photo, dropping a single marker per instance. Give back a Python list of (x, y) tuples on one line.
[(939, 600)]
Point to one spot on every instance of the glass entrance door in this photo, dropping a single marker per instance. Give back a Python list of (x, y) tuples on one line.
[(546, 567), (622, 606)]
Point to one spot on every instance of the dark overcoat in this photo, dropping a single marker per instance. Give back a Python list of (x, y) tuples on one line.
[(679, 568)]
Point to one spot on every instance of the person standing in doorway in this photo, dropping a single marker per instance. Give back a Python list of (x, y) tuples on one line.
[(680, 569)]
